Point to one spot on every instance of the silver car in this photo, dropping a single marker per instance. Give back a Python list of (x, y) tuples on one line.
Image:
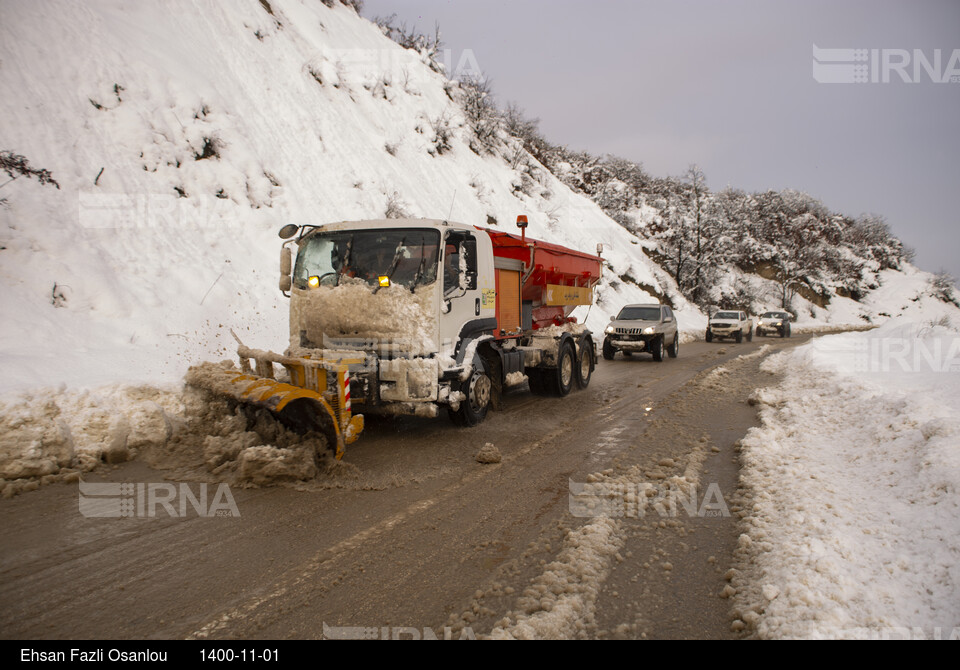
[(648, 329), (774, 323), (730, 324)]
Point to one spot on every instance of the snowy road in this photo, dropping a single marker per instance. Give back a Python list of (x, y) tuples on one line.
[(415, 535)]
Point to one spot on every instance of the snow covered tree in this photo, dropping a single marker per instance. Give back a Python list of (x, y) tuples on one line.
[(944, 287), (482, 116)]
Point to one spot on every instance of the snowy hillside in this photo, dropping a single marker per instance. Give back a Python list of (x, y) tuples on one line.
[(213, 126)]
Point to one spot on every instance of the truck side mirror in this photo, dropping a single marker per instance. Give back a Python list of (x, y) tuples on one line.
[(286, 267)]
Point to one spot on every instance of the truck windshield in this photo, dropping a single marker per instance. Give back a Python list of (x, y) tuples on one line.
[(407, 256), (639, 314), (727, 315)]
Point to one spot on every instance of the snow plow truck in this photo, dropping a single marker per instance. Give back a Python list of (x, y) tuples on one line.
[(411, 316)]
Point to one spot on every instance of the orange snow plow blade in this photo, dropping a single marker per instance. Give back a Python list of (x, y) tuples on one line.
[(304, 409)]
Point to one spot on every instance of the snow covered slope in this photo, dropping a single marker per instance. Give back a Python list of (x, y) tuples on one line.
[(214, 124)]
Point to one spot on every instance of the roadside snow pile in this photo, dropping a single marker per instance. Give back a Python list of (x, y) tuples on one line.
[(56, 434), (716, 379), (53, 436), (852, 488), (759, 353)]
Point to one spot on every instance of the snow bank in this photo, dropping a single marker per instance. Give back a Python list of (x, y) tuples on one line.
[(853, 489), (59, 433), (48, 436)]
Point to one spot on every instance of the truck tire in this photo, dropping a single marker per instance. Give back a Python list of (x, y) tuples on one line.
[(585, 364), (474, 408), (709, 336), (738, 338), (674, 349), (657, 350), (783, 332), (608, 351), (750, 335), (561, 379), (535, 381)]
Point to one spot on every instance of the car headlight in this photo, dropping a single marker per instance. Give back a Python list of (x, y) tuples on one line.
[(610, 330), (649, 331)]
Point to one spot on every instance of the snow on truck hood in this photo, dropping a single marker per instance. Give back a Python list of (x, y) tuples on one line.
[(394, 317)]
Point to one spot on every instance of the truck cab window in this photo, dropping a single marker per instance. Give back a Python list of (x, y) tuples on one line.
[(459, 257)]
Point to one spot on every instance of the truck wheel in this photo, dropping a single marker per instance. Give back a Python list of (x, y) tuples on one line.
[(658, 349), (738, 338), (608, 351), (674, 349), (783, 332), (585, 365), (561, 380), (709, 336), (750, 335), (474, 408)]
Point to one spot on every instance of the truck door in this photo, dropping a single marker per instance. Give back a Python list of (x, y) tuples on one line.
[(467, 302)]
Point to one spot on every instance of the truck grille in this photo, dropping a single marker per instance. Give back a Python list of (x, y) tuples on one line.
[(629, 331)]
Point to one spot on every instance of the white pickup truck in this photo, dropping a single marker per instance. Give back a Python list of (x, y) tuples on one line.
[(731, 324)]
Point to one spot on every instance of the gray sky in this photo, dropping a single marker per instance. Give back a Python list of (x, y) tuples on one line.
[(730, 86)]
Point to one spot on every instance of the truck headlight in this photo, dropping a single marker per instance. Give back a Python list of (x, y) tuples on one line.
[(610, 330), (649, 331)]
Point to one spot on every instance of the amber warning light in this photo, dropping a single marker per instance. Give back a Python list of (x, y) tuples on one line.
[(522, 225)]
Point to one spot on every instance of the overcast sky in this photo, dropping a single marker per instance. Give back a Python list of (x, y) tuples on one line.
[(730, 86)]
